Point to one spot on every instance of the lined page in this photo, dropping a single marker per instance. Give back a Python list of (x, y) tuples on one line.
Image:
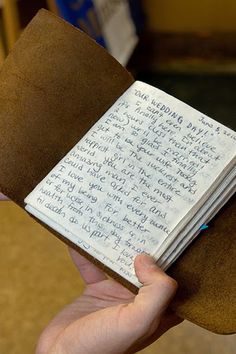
[(134, 176)]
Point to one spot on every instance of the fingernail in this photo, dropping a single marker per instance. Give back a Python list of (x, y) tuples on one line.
[(146, 260)]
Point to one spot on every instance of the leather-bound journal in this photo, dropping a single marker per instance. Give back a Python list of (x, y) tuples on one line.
[(115, 167)]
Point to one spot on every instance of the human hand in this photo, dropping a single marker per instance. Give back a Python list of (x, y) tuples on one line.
[(108, 318), (3, 197)]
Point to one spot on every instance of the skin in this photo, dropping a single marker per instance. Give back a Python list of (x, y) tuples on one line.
[(2, 197), (109, 319)]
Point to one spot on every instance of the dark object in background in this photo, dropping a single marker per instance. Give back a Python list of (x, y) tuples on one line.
[(82, 14), (213, 94), (138, 15), (28, 9), (111, 23)]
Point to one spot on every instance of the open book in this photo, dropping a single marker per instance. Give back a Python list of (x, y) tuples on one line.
[(144, 178), (115, 167)]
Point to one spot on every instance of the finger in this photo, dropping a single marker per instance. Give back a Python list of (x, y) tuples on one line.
[(157, 291), (89, 272), (3, 197)]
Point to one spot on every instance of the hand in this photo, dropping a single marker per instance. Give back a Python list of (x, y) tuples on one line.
[(2, 197), (108, 318)]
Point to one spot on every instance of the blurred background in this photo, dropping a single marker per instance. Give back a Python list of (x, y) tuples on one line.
[(188, 49)]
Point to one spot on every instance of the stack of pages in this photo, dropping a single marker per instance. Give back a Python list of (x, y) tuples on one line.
[(144, 178)]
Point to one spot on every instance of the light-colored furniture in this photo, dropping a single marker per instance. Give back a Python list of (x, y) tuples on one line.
[(2, 51), (52, 6), (11, 21)]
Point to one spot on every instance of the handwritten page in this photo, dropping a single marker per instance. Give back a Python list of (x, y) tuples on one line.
[(133, 178)]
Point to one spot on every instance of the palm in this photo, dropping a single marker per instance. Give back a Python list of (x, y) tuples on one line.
[(106, 293), (97, 296), (3, 197), (100, 291), (103, 295)]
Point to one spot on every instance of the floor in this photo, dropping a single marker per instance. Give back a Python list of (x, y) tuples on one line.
[(37, 276), (38, 279)]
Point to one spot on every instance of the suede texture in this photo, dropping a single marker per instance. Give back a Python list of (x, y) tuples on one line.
[(55, 84)]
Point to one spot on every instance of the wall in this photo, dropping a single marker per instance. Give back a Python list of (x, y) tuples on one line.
[(191, 15)]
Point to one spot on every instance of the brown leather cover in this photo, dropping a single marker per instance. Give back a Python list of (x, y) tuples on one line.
[(54, 85), (206, 274)]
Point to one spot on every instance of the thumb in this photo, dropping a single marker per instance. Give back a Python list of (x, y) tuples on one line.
[(157, 291)]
